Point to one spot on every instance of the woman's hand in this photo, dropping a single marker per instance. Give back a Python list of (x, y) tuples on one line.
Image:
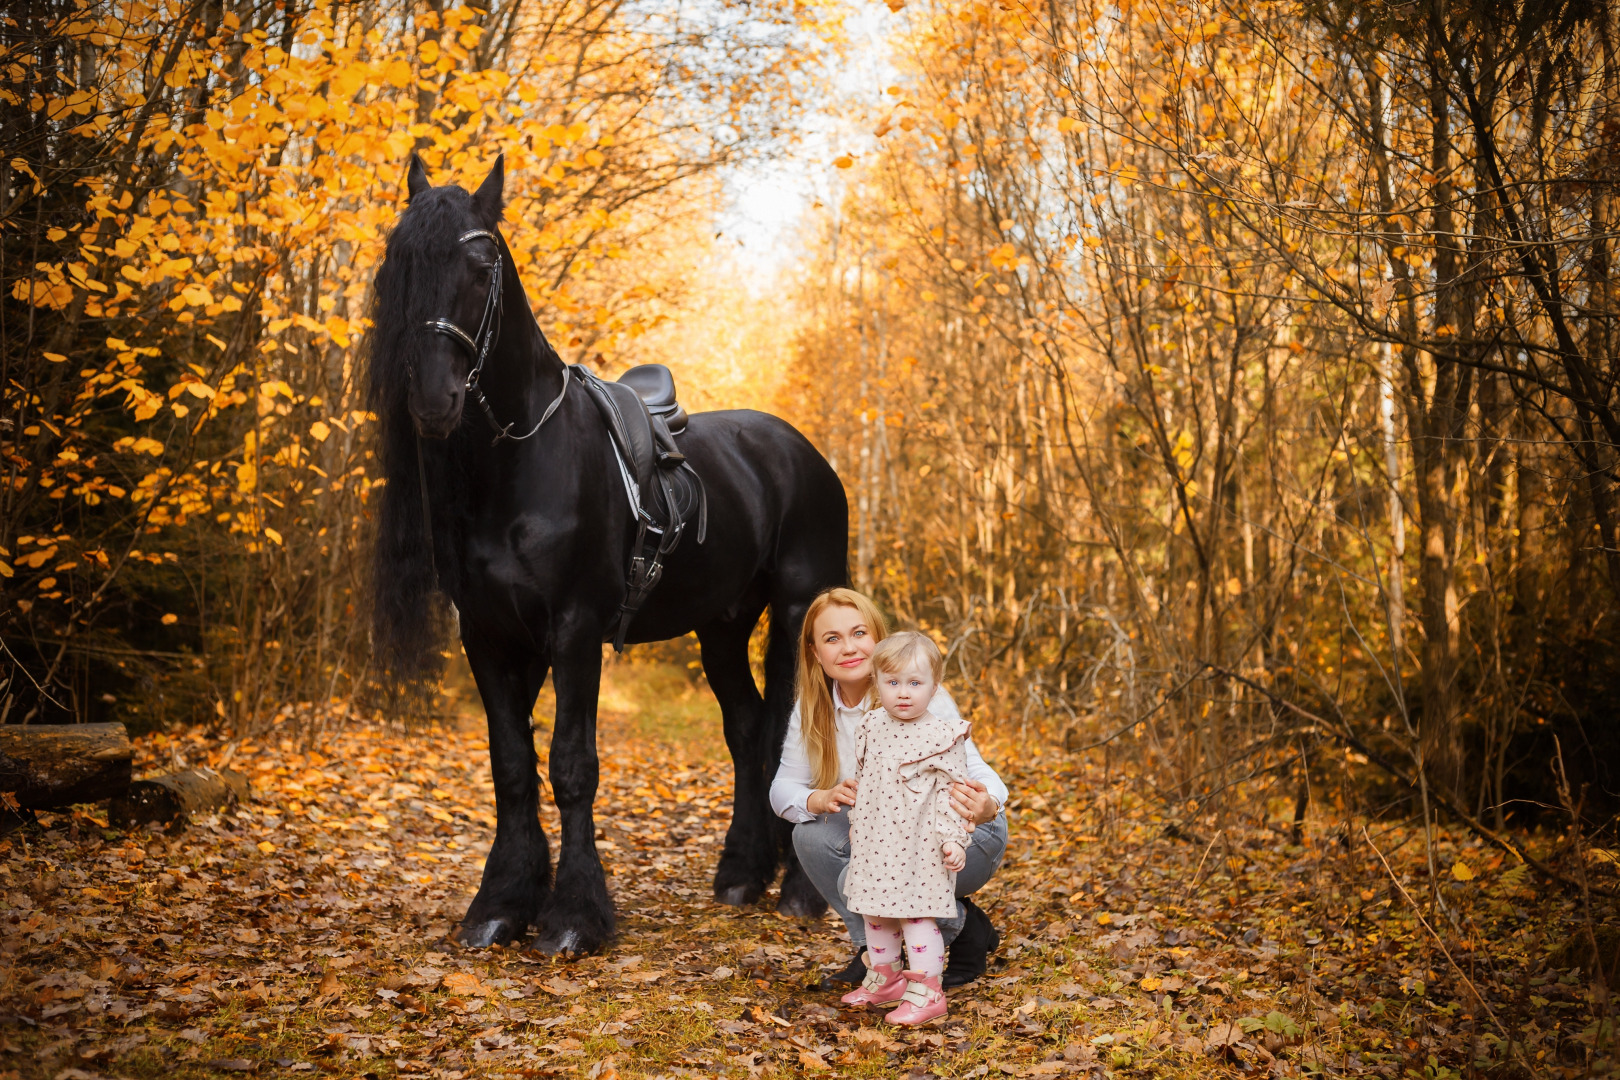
[(955, 858), (828, 800), (973, 804)]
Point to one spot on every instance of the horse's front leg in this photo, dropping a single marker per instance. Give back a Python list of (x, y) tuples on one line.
[(578, 917), (518, 870)]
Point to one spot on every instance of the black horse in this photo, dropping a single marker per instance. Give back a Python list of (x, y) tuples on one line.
[(530, 538)]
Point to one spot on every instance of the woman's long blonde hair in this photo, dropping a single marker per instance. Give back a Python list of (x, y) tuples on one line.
[(815, 686)]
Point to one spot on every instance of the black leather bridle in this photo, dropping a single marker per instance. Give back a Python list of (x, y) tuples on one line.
[(480, 343)]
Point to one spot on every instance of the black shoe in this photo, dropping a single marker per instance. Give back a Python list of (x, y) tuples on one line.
[(854, 973), (971, 950)]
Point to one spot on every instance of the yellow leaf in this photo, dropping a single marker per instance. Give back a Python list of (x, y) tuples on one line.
[(319, 431), (809, 1058), (169, 620), (55, 357), (272, 534), (1151, 982), (266, 846), (44, 293), (1067, 124), (1462, 871), (464, 984), (843, 161)]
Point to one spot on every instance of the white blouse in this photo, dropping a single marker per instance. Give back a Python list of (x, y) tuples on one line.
[(795, 778)]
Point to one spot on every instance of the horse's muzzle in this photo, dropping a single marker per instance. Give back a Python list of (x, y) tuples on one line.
[(438, 425)]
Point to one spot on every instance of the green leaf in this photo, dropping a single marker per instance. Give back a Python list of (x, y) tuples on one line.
[(1251, 1024), (1282, 1025)]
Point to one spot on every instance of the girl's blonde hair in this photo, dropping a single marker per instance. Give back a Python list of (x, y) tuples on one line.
[(815, 686), (908, 647)]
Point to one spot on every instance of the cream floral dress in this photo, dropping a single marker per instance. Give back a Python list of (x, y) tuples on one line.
[(902, 816)]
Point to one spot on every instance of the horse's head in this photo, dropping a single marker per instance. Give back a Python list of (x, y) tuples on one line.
[(438, 295)]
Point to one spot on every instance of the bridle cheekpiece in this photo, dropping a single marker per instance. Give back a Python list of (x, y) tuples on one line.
[(480, 343)]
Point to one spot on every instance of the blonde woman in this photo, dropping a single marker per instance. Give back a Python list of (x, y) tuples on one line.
[(816, 779)]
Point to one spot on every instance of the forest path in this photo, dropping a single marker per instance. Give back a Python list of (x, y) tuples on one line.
[(308, 933)]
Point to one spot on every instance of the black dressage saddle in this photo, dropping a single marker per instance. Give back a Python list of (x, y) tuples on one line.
[(665, 492)]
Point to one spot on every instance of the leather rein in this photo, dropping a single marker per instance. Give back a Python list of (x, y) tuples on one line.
[(479, 345)]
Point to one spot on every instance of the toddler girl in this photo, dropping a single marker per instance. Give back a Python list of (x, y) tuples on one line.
[(906, 843)]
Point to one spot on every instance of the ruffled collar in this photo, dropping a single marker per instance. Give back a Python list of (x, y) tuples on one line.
[(938, 734)]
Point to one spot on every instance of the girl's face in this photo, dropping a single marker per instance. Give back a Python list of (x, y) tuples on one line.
[(905, 694), (844, 645)]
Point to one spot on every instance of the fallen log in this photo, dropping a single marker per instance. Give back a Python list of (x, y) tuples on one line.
[(170, 800), (50, 765)]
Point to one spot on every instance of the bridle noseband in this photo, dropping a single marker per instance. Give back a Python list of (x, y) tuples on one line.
[(480, 344)]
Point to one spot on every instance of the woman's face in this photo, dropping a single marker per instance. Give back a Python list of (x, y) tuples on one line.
[(844, 645)]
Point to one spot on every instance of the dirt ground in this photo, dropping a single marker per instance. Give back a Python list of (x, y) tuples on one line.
[(308, 932)]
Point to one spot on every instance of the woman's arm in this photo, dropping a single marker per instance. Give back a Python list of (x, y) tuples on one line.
[(790, 790), (981, 772), (978, 771)]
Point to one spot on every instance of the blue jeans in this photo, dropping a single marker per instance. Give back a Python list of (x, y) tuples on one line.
[(823, 849)]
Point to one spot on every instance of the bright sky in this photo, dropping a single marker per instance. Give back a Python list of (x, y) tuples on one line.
[(770, 202)]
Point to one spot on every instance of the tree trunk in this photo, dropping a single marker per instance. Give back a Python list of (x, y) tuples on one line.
[(50, 765), (169, 800)]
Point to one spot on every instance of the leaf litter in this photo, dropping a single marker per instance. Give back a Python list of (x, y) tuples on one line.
[(308, 933)]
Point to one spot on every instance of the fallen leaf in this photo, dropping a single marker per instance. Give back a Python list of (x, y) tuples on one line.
[(646, 976), (812, 1060), (561, 987), (464, 984)]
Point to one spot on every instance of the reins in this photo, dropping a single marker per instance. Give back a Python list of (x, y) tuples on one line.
[(479, 344)]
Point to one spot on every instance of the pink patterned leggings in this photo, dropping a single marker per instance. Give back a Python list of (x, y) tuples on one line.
[(925, 948)]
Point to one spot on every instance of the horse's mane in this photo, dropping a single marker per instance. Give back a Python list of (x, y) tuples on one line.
[(409, 616)]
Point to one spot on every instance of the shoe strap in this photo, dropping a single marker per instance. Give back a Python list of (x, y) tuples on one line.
[(918, 992), (876, 980)]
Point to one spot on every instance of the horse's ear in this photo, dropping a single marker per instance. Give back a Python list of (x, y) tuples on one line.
[(489, 199), (416, 177)]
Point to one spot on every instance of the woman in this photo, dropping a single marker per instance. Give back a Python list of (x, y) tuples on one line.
[(816, 779)]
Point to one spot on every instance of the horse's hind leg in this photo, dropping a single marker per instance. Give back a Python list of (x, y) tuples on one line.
[(518, 870), (748, 862), (800, 897), (578, 916)]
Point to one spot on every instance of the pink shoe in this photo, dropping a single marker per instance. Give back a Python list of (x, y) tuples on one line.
[(924, 1000), (884, 985)]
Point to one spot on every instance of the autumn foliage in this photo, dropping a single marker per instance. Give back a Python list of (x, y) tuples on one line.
[(194, 203), (1183, 358)]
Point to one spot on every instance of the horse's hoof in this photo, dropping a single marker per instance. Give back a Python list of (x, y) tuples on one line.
[(562, 943), (739, 895), (490, 932), (801, 906)]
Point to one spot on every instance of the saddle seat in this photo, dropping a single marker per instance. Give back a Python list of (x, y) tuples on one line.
[(655, 385)]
